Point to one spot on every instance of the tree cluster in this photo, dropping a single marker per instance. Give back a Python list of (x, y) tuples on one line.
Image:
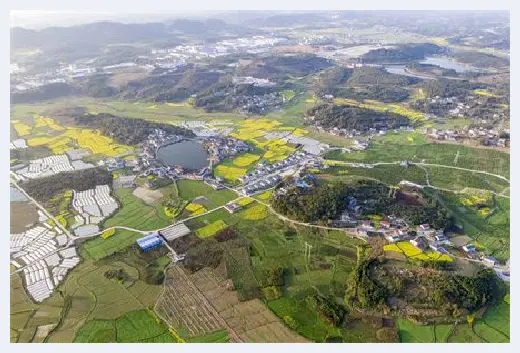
[(352, 117), (127, 131), (43, 189), (403, 53)]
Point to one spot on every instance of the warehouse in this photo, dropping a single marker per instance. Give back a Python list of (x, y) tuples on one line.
[(149, 242), (174, 232)]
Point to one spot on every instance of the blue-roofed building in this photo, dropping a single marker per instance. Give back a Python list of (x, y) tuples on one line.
[(149, 242)]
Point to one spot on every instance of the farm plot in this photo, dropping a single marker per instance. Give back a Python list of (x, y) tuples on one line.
[(255, 212), (185, 308), (412, 252), (490, 161), (411, 333), (229, 172), (245, 160), (250, 320), (104, 246), (135, 326), (191, 189), (88, 295), (211, 229), (135, 213)]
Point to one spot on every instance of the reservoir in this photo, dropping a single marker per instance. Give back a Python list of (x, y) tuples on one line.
[(188, 154), (447, 63)]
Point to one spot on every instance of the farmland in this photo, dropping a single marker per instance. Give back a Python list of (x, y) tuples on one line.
[(185, 308), (492, 327), (211, 229), (134, 213), (250, 320), (414, 253), (190, 189), (491, 231), (45, 132), (477, 159), (139, 326), (87, 295)]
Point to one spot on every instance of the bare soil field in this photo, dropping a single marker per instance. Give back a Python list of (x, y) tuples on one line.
[(251, 320), (148, 196), (23, 215), (125, 75), (185, 308), (460, 240)]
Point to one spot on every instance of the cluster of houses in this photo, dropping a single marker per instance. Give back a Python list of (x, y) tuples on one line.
[(218, 148), (301, 180), (395, 229), (488, 137), (223, 147), (471, 251), (265, 175)]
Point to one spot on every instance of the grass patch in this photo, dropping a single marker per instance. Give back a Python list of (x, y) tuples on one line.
[(133, 327), (411, 333)]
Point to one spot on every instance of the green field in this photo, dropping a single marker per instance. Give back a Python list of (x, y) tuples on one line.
[(476, 159), (134, 213), (138, 326), (411, 333), (493, 327), (388, 174), (492, 232), (143, 110), (99, 248), (87, 295), (190, 189)]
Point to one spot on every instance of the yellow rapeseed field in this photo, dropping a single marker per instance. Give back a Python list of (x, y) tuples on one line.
[(192, 207), (47, 122), (245, 160), (97, 143), (21, 128), (244, 201), (108, 233), (265, 195), (211, 229), (414, 253), (256, 212), (229, 173)]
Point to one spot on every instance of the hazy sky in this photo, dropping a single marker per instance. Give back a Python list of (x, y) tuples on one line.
[(40, 19)]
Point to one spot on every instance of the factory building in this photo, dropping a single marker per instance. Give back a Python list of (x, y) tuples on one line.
[(149, 242)]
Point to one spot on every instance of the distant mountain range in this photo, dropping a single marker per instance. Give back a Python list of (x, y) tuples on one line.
[(105, 33)]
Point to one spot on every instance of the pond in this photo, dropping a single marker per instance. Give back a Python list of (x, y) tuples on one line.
[(189, 154), (16, 195)]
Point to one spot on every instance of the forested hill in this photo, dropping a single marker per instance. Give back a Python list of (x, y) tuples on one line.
[(403, 53), (127, 131), (352, 117)]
